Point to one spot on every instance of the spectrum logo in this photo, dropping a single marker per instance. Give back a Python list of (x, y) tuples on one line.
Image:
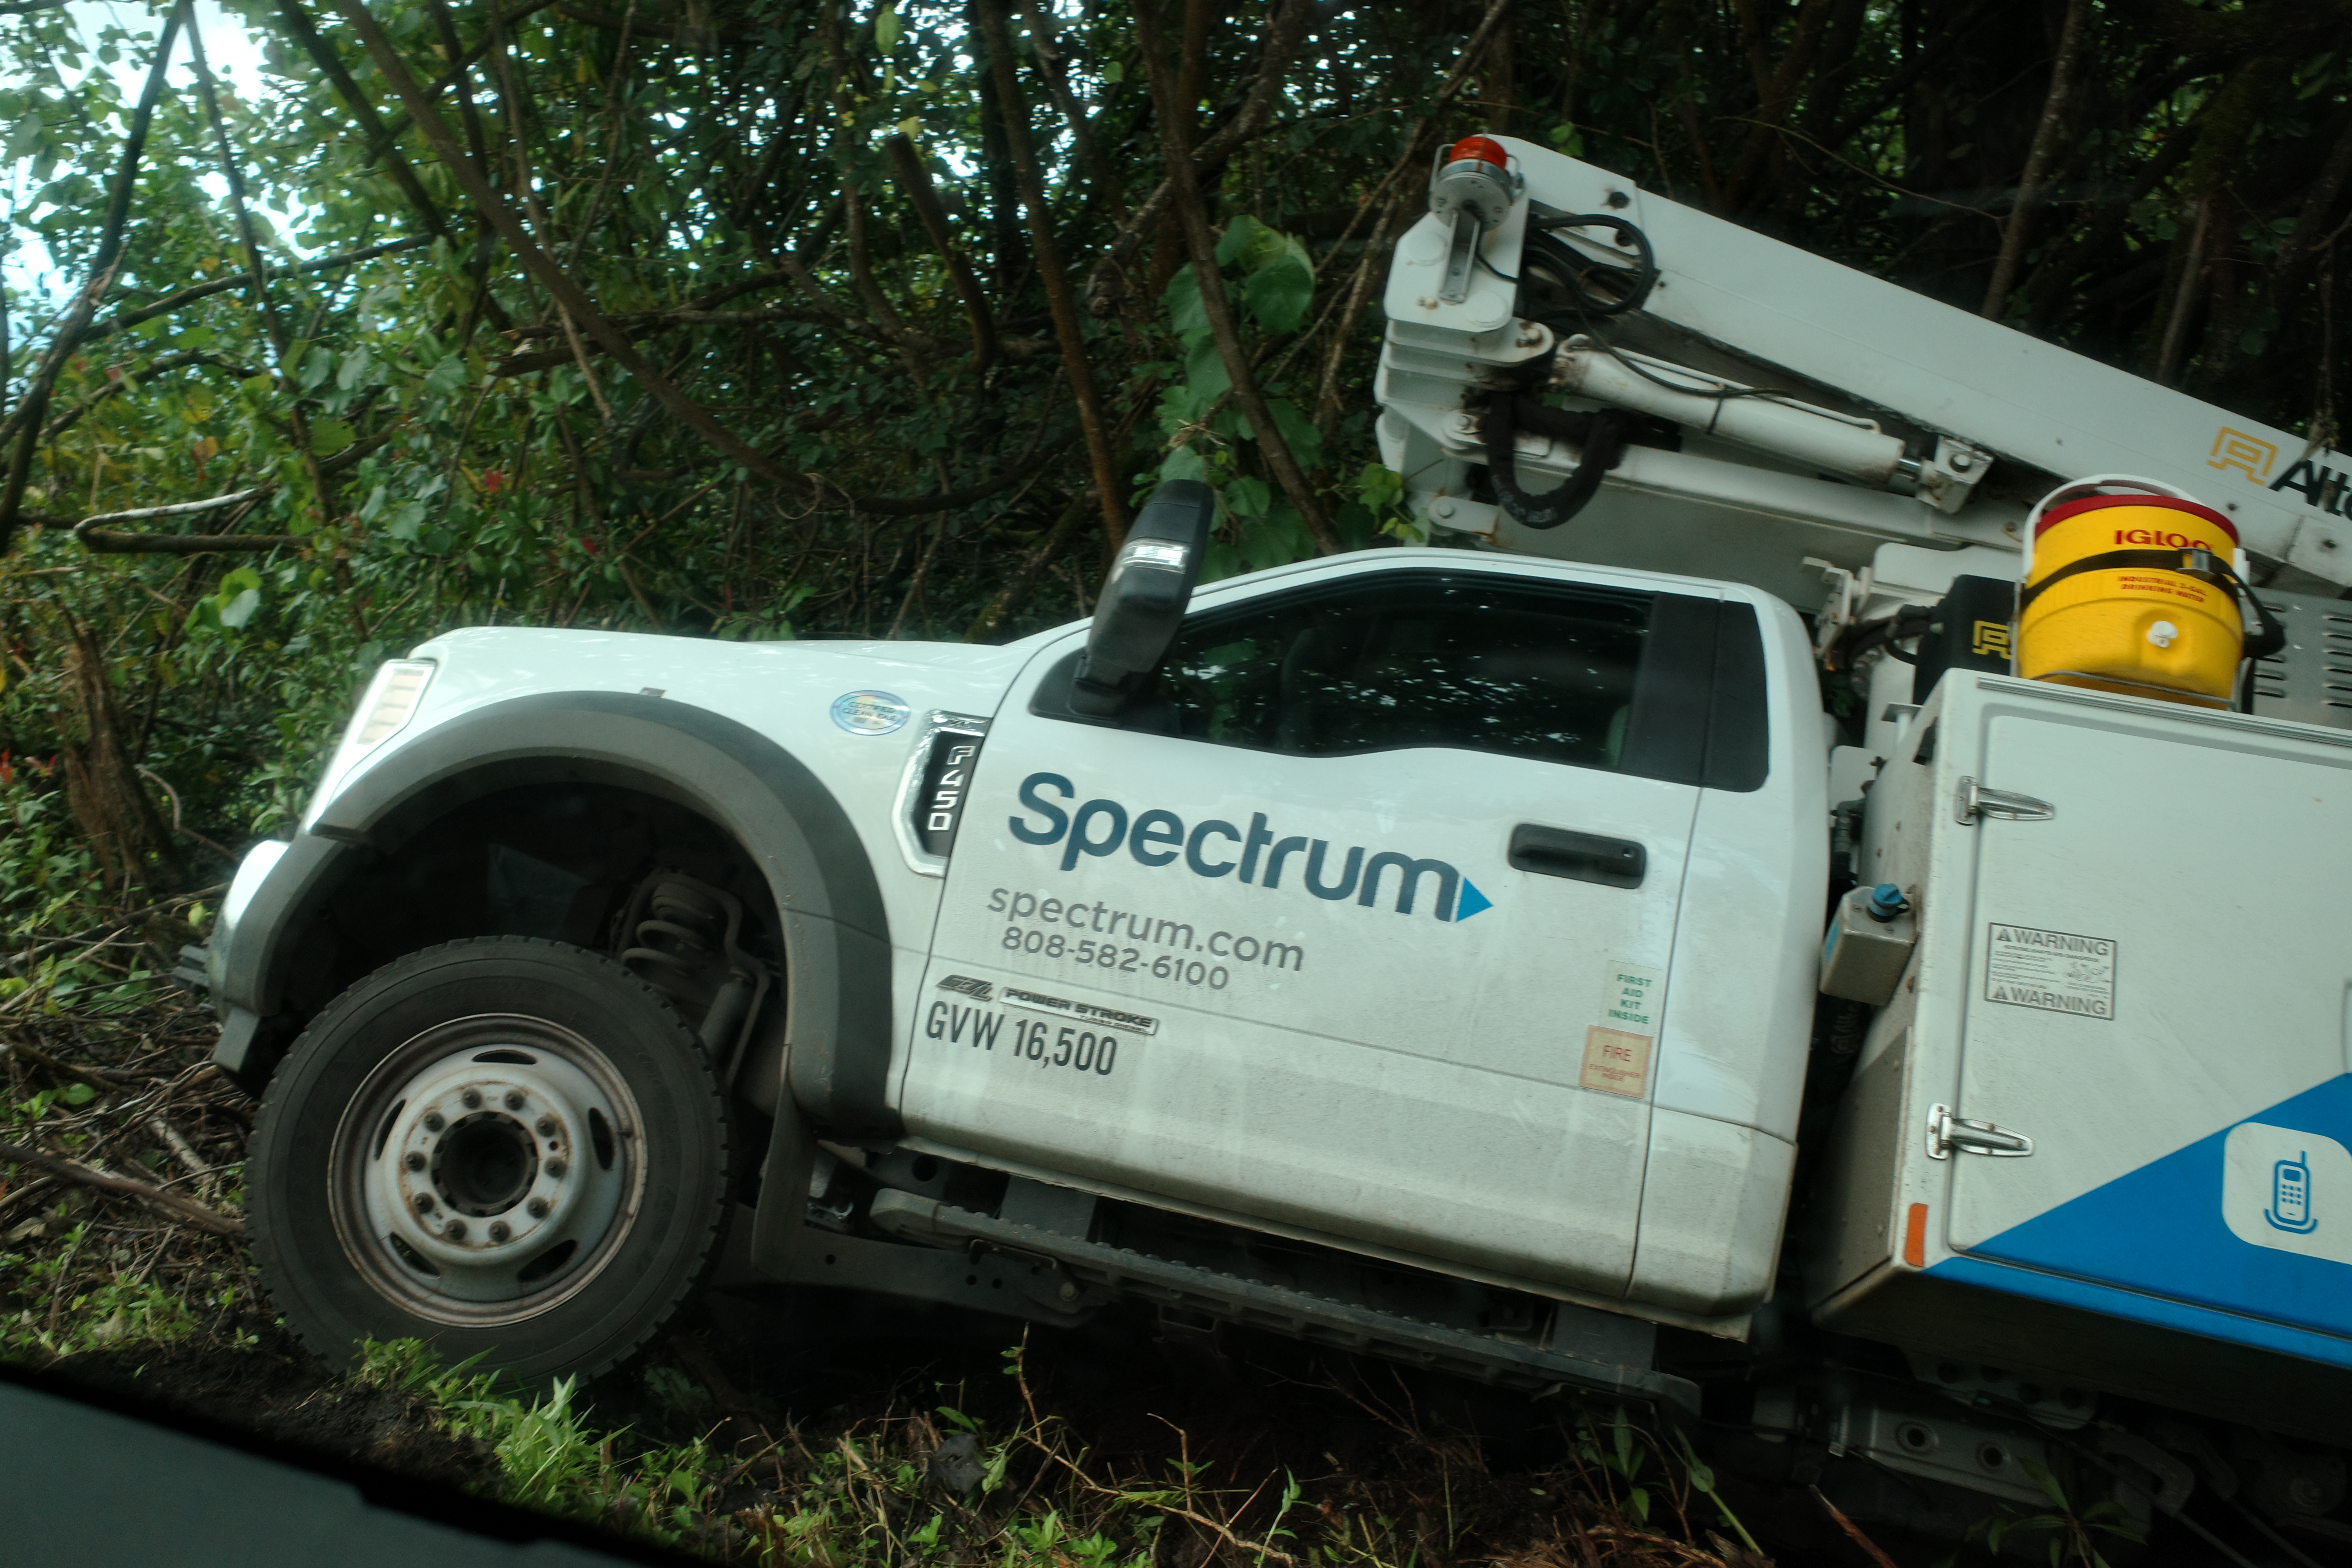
[(1101, 828)]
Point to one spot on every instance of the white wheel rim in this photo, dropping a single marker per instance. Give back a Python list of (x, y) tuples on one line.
[(486, 1170)]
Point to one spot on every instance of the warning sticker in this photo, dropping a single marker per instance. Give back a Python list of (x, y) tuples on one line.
[(2056, 971), (1615, 1062), (1628, 995)]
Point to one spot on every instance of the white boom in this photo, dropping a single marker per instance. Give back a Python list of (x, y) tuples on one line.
[(1973, 419)]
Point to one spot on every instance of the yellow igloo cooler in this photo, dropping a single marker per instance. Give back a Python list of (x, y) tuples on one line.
[(2135, 593)]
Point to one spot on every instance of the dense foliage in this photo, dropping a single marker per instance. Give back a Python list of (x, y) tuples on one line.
[(772, 318)]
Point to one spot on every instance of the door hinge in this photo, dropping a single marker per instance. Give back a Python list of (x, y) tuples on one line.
[(1972, 800), (1947, 1132)]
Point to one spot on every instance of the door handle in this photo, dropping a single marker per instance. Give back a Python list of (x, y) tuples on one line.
[(1582, 856)]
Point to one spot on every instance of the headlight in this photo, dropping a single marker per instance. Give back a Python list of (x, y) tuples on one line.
[(391, 701)]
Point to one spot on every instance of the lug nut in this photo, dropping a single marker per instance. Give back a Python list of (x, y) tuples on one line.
[(547, 1127), (457, 1230), (556, 1168), (415, 1160), (499, 1230), (473, 1099), (433, 1122), (425, 1203), (536, 1208), (514, 1100)]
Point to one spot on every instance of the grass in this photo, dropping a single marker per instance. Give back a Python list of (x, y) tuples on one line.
[(934, 1486)]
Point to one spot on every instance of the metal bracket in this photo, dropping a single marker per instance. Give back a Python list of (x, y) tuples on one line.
[(1947, 1132), (1971, 800)]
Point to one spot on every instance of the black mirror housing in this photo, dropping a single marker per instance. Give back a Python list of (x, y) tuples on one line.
[(1143, 600)]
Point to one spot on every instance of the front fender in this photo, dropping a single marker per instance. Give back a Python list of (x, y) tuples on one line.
[(835, 929)]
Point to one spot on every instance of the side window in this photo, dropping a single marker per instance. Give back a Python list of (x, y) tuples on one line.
[(1469, 660), (1660, 686)]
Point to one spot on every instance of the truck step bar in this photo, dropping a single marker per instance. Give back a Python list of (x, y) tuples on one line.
[(1285, 1311)]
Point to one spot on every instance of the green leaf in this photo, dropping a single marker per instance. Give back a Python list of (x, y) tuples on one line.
[(1183, 300), (1234, 244), (1248, 497), (239, 610), (886, 29), (330, 435), (78, 1094), (1204, 373), (1297, 431), (1184, 463), (354, 368), (1279, 294)]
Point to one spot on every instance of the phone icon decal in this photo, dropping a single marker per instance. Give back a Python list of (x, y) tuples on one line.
[(2290, 1207)]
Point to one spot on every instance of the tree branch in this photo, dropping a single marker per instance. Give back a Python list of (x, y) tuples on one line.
[(1014, 113), (172, 1206), (2038, 159), (30, 412), (542, 265), (915, 184), (189, 296), (1210, 156), (1213, 303), (380, 137), (132, 379), (111, 542)]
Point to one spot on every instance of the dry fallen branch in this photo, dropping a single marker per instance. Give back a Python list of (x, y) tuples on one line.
[(104, 1083), (171, 1205)]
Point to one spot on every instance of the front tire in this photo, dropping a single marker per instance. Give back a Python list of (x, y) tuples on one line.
[(505, 1146)]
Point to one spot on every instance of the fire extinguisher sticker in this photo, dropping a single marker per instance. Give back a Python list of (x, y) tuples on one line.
[(2277, 1184)]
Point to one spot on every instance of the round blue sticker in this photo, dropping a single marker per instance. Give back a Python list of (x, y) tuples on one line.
[(869, 712)]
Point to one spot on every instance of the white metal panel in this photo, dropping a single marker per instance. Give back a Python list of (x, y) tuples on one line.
[(1711, 1210), (1396, 1057), (2210, 859), (1736, 1039), (783, 690)]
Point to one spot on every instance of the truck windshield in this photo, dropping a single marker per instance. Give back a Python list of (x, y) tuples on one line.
[(1376, 663)]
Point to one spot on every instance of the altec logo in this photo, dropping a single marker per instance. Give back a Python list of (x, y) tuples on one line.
[(1258, 857)]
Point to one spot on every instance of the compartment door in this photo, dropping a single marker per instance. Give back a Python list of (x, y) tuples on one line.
[(2157, 999)]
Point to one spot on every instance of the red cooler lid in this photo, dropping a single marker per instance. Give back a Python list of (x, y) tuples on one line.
[(2093, 503)]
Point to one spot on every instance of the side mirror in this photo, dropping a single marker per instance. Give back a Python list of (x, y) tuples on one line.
[(1143, 599)]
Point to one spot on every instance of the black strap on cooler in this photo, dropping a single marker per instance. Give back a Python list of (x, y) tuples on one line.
[(2203, 565)]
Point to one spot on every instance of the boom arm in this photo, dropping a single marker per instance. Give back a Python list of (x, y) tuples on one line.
[(1792, 411)]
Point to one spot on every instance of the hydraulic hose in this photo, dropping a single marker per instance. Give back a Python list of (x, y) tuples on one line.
[(1604, 440)]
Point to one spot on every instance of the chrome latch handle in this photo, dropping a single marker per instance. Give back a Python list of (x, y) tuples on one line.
[(1971, 800), (1947, 1132)]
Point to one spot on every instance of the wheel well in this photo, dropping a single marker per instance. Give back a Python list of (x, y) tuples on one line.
[(554, 860)]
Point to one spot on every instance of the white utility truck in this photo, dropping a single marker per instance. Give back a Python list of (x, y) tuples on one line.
[(1664, 952)]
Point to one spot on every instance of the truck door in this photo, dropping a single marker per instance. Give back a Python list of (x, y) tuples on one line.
[(2158, 1000), (1359, 923)]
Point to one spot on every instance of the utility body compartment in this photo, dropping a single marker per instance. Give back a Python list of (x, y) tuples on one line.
[(2106, 1125)]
